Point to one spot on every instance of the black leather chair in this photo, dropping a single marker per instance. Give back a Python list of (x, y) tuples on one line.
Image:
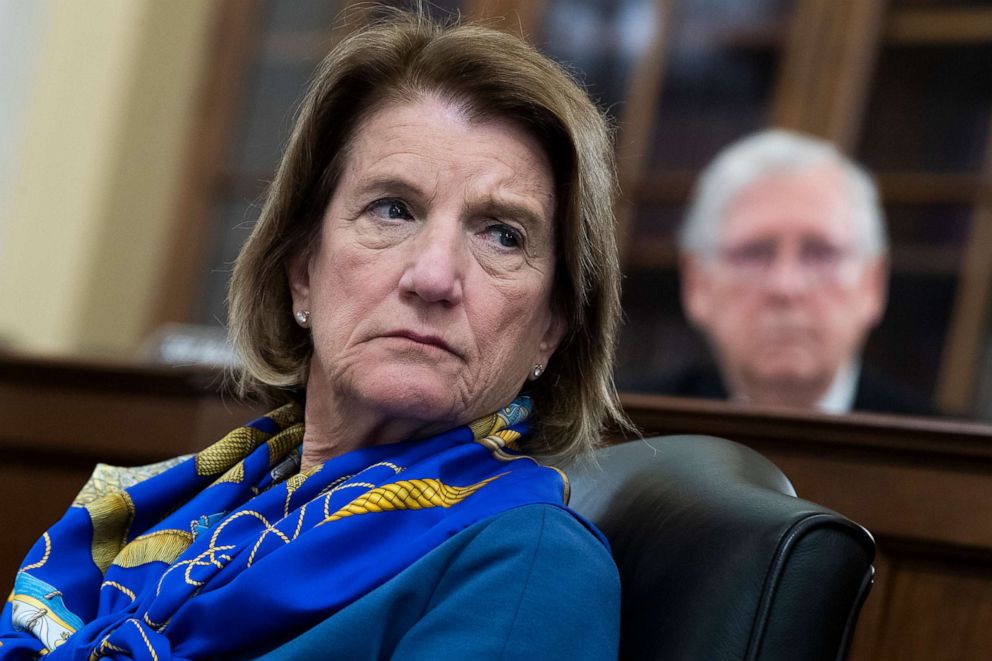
[(718, 559)]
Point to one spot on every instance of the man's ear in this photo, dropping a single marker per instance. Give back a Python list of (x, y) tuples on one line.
[(298, 276), (875, 287), (696, 290)]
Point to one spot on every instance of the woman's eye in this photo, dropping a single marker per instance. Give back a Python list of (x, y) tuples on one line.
[(391, 210), (505, 236)]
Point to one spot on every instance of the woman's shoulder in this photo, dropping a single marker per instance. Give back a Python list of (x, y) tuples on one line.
[(107, 479), (549, 550), (546, 549), (519, 568), (541, 529)]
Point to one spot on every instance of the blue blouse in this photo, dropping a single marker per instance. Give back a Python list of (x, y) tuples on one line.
[(530, 583)]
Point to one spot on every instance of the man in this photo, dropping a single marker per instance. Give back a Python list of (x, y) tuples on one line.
[(784, 270)]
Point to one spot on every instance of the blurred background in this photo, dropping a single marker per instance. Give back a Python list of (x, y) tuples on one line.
[(137, 138)]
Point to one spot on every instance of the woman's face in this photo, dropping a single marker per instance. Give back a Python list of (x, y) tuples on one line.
[(430, 289)]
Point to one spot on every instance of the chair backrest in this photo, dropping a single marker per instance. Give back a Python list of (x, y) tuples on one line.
[(718, 559)]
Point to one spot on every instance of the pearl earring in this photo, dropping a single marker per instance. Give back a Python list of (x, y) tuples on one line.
[(303, 318), (536, 372)]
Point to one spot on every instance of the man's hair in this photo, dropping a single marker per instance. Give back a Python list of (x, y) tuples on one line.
[(401, 58), (767, 153)]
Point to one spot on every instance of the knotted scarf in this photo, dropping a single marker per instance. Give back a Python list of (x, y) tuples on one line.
[(215, 554)]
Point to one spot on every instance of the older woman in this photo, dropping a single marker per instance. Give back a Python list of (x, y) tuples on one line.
[(434, 262)]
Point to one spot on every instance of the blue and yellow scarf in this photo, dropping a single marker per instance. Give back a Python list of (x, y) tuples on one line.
[(214, 554)]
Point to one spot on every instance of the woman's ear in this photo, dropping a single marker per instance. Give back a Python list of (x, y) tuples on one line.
[(553, 334), (298, 276)]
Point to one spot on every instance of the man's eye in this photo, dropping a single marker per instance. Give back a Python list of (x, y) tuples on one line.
[(820, 253), (754, 254), (391, 210), (506, 236)]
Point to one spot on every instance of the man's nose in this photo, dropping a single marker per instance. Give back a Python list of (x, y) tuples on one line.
[(435, 264), (787, 275)]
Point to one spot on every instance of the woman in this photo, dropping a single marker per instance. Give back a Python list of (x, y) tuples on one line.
[(435, 260)]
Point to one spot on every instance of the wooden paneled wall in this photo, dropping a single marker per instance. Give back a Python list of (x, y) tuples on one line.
[(922, 487)]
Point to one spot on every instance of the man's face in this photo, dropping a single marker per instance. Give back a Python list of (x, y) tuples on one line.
[(787, 299)]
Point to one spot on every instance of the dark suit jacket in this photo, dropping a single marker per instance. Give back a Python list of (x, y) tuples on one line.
[(873, 392)]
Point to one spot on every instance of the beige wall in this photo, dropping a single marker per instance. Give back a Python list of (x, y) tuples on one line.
[(94, 184)]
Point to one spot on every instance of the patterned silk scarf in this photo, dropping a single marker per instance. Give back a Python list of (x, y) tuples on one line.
[(212, 555)]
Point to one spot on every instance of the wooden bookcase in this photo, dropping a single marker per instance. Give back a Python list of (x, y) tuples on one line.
[(905, 86)]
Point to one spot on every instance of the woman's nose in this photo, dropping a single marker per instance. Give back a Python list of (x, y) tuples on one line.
[(434, 266)]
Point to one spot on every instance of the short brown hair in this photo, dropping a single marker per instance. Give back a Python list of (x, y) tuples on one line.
[(490, 74)]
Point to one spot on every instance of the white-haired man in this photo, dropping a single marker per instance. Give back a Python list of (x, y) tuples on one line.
[(784, 270)]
